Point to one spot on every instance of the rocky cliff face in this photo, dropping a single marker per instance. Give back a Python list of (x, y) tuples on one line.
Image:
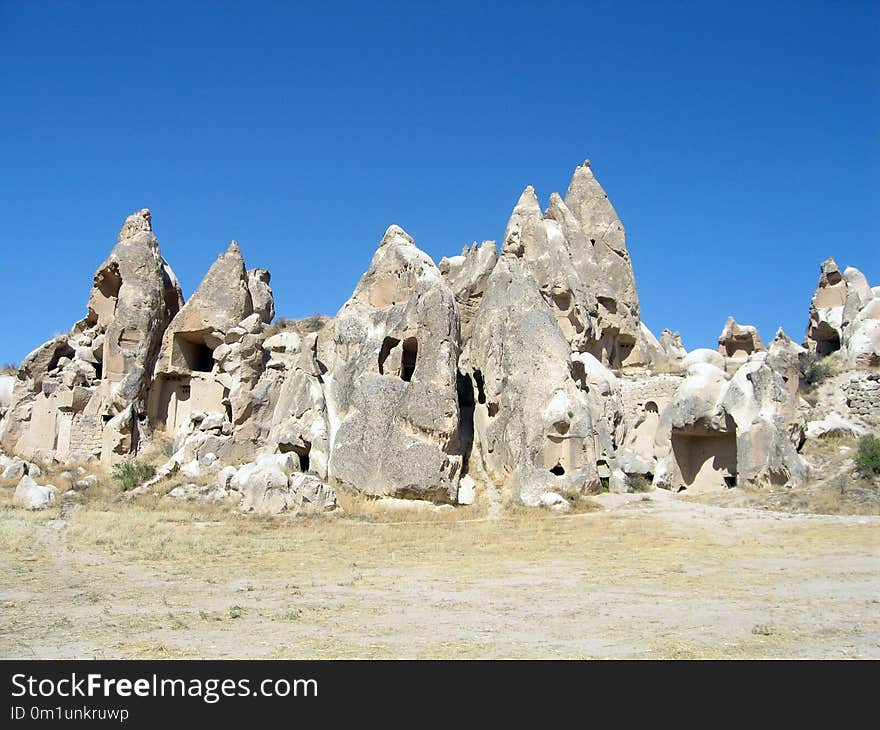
[(391, 385), (83, 395), (524, 367)]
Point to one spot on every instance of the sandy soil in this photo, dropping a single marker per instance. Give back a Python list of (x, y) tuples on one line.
[(644, 576)]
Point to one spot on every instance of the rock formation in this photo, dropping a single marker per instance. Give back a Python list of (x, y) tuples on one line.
[(576, 251), (391, 389), (84, 394), (845, 315), (523, 368), (531, 421), (738, 341), (211, 355), (466, 275), (719, 432)]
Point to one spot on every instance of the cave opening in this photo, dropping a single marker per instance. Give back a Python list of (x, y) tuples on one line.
[(408, 358), (193, 354), (388, 344), (481, 392)]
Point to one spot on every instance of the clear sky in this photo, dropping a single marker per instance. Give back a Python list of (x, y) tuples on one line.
[(738, 142)]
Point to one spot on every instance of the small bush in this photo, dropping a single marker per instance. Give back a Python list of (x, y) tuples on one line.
[(314, 322), (283, 324), (132, 474), (868, 456), (304, 326), (814, 371), (637, 483)]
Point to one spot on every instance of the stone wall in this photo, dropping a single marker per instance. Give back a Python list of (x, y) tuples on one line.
[(862, 394), (85, 437), (636, 393)]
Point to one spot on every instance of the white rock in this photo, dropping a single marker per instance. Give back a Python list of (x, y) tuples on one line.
[(833, 425), (466, 490), (224, 477), (30, 495), (15, 469), (86, 482), (555, 501), (703, 356)]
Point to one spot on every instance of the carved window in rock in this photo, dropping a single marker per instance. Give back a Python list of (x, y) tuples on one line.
[(191, 353), (302, 452), (408, 358), (399, 358), (481, 392), (108, 282), (129, 338), (388, 344)]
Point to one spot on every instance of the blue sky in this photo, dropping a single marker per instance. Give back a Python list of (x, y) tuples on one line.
[(738, 142)]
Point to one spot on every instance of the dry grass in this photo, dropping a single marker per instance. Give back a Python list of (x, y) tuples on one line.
[(131, 580), (361, 508), (314, 323), (833, 488), (158, 450), (157, 578)]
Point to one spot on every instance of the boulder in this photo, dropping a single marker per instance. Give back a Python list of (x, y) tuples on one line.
[(271, 485), (203, 493), (833, 425), (30, 495), (554, 501), (87, 482), (703, 356), (14, 469)]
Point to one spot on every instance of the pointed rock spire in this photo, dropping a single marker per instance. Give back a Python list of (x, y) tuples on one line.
[(138, 222), (591, 206), (395, 271), (220, 302)]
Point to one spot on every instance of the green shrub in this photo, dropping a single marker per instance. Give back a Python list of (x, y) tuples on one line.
[(132, 474), (868, 456), (637, 483)]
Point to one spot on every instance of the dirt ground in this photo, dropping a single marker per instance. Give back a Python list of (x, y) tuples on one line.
[(639, 576)]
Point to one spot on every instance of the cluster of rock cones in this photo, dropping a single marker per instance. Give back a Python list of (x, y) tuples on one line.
[(525, 367)]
